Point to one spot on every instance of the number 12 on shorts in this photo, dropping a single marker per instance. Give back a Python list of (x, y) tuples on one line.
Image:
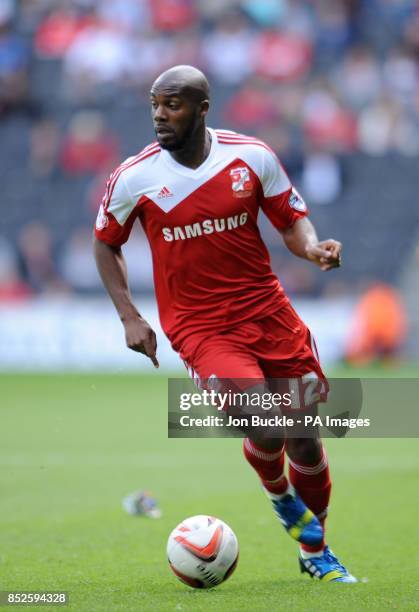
[(307, 391)]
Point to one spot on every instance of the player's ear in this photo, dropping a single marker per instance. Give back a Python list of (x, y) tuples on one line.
[(204, 107)]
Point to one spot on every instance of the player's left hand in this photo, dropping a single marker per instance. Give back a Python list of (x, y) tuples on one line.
[(326, 254)]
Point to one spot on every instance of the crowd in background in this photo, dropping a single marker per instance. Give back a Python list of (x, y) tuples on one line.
[(317, 79)]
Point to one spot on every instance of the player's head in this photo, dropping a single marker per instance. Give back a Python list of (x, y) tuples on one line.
[(179, 101)]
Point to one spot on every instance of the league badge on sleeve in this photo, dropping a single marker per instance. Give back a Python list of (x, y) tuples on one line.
[(101, 220), (296, 201)]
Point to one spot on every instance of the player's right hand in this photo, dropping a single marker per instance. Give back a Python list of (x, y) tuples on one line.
[(140, 337)]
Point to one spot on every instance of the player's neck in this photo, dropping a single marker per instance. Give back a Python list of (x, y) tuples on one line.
[(196, 151)]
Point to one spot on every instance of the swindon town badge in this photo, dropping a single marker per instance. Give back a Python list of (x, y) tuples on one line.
[(241, 183)]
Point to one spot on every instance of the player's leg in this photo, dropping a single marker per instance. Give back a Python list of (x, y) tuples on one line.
[(227, 359), (298, 520), (224, 358), (309, 474), (295, 356)]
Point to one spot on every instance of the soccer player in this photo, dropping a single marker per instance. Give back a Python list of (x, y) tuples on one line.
[(197, 192)]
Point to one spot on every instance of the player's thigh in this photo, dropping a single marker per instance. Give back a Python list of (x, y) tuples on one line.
[(223, 365), (292, 369), (221, 358), (291, 363)]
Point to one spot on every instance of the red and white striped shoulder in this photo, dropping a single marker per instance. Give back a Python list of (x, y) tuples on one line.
[(228, 137), (147, 152)]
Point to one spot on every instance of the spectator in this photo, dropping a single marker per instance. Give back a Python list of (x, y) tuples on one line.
[(299, 19), (14, 58), (322, 181), (44, 147), (266, 13), (58, 30), (400, 72), (406, 136), (31, 13), (128, 15), (288, 99), (155, 52), (182, 46), (233, 36), (37, 258), (216, 9), (285, 144), (411, 33), (77, 265), (379, 326), (100, 56), (282, 57), (333, 29), (400, 134), (383, 20), (12, 288), (251, 106), (173, 15), (358, 78), (376, 127), (326, 123), (89, 147)]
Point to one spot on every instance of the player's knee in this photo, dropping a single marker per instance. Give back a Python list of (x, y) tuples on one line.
[(306, 450), (271, 444)]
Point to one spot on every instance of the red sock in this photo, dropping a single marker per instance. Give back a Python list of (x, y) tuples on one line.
[(313, 484), (269, 466)]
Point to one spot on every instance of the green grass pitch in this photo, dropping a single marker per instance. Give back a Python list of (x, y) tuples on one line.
[(73, 446)]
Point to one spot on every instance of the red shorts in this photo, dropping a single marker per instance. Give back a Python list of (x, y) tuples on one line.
[(279, 346)]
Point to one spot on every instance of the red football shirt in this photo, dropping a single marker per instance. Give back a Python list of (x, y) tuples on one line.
[(211, 268)]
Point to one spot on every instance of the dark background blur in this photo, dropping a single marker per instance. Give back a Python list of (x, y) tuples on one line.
[(331, 85)]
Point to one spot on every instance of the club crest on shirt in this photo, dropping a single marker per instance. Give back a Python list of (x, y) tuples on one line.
[(101, 219), (296, 201), (241, 183)]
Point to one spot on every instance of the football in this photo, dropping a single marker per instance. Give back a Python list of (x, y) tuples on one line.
[(203, 551)]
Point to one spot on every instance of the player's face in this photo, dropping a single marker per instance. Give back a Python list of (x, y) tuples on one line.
[(175, 118)]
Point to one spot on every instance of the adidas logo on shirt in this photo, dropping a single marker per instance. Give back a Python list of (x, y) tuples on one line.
[(164, 192)]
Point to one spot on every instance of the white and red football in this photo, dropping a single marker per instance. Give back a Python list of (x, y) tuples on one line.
[(203, 551)]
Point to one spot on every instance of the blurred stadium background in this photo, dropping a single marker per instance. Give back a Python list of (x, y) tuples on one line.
[(333, 86)]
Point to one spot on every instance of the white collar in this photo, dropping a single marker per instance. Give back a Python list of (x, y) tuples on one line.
[(192, 172)]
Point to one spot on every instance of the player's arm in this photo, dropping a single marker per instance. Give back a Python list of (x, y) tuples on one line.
[(112, 268), (287, 211), (114, 222), (301, 239)]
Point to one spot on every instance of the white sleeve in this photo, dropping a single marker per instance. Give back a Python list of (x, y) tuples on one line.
[(282, 204), (117, 211), (274, 179), (117, 199)]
